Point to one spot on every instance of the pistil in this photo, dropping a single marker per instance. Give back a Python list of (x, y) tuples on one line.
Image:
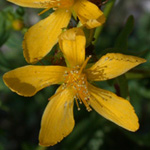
[(76, 79)]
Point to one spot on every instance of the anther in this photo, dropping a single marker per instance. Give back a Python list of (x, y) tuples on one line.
[(88, 109), (82, 78)]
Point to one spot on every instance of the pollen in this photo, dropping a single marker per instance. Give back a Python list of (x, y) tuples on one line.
[(77, 80)]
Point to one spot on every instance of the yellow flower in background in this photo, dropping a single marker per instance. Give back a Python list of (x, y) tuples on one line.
[(75, 84), (17, 24), (40, 38)]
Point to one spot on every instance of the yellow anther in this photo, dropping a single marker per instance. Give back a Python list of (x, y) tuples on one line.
[(77, 103), (76, 79)]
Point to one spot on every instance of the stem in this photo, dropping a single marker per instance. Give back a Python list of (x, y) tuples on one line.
[(41, 148), (107, 11), (79, 24)]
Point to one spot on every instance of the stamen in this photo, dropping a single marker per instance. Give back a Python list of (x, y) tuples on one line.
[(77, 103), (84, 64), (80, 101), (44, 11), (76, 79)]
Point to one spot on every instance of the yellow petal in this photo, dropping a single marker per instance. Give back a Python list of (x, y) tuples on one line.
[(63, 3), (72, 43), (113, 108), (57, 120), (32, 3), (112, 65), (89, 14), (43, 3), (28, 80), (41, 37)]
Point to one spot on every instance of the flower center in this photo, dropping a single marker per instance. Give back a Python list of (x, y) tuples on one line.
[(76, 79)]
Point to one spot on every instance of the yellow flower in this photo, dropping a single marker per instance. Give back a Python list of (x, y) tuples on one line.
[(40, 38), (17, 24), (58, 120)]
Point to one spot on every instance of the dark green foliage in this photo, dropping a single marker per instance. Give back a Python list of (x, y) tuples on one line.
[(20, 117)]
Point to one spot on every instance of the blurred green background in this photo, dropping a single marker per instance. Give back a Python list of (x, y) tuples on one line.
[(20, 117)]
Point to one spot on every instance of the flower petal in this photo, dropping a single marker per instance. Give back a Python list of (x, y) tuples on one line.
[(72, 43), (89, 14), (57, 120), (28, 80), (113, 108), (112, 65), (32, 3), (41, 37)]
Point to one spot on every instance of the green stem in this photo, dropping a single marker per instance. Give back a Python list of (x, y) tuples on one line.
[(107, 11), (41, 148)]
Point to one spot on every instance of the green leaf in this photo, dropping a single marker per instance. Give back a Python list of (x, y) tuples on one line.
[(115, 50), (122, 86), (1, 147), (3, 61), (79, 135), (4, 33), (138, 74), (108, 7), (89, 35), (122, 39)]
